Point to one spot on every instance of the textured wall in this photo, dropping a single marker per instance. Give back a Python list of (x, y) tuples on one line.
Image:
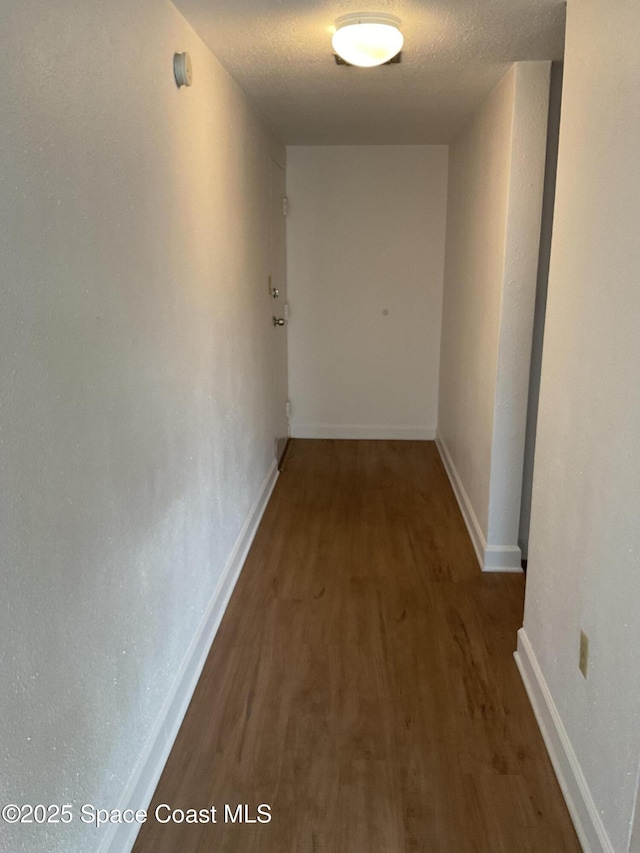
[(584, 547), (365, 251), (496, 171), (135, 380)]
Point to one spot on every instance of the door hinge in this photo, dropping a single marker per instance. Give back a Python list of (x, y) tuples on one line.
[(285, 206), (287, 409)]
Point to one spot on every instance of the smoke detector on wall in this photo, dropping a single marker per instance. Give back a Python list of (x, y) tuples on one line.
[(367, 39), (182, 70)]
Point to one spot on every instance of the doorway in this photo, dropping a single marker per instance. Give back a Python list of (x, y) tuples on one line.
[(278, 294)]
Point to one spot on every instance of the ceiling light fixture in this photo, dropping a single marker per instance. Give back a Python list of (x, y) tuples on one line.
[(367, 39)]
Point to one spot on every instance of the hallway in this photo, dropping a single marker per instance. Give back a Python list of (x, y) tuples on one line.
[(362, 681)]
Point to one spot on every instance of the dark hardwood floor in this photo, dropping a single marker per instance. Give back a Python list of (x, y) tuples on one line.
[(362, 682)]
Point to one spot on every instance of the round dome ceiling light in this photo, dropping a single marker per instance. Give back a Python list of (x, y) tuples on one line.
[(367, 39)]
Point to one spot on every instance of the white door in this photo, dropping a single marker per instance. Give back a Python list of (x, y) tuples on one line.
[(278, 293)]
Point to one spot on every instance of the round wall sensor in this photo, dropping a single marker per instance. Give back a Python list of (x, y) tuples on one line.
[(182, 69)]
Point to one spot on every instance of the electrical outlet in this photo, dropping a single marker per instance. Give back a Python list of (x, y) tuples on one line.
[(584, 653)]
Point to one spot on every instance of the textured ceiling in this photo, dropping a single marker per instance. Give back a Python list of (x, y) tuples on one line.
[(455, 51)]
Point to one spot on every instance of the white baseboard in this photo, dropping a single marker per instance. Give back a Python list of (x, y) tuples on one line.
[(473, 525), (584, 814), (362, 431), (508, 559), (139, 792), (491, 558)]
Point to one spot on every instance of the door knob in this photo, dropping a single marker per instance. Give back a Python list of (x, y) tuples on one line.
[(278, 321)]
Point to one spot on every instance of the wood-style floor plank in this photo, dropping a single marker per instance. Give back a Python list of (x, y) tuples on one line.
[(362, 681)]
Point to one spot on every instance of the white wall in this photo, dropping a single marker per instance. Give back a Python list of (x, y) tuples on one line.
[(365, 242), (584, 548), (135, 410), (496, 171)]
